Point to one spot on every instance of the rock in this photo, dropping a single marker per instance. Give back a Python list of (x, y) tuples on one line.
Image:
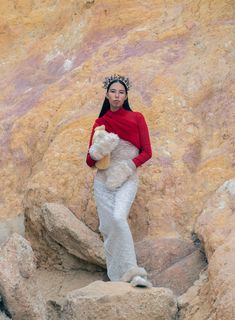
[(194, 304), (50, 253), (221, 272), (170, 262), (181, 275), (11, 225), (18, 286), (216, 229), (119, 300), (3, 311), (160, 253), (54, 57), (3, 316), (51, 92), (217, 219), (72, 234)]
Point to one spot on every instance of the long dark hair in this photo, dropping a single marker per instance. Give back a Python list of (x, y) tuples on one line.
[(106, 104)]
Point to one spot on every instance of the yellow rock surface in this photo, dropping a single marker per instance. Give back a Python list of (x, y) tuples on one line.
[(180, 58)]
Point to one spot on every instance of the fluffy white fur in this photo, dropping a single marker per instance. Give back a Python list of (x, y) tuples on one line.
[(133, 272), (140, 281), (103, 143), (119, 173)]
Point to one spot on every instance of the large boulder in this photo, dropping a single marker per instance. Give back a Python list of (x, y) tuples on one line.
[(215, 227), (221, 272), (171, 262), (62, 226), (194, 304), (18, 285), (119, 300), (217, 221), (60, 240)]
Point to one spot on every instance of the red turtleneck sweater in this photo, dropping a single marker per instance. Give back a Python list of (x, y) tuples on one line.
[(130, 126)]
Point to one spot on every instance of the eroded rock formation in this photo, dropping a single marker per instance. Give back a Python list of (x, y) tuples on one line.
[(180, 58), (18, 285), (115, 300), (170, 262), (215, 226)]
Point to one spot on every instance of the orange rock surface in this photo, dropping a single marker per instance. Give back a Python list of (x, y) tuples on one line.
[(180, 58)]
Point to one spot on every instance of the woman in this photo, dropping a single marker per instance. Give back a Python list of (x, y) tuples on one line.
[(127, 141)]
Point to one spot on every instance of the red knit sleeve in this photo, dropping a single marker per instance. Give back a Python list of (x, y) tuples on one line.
[(90, 162), (145, 145)]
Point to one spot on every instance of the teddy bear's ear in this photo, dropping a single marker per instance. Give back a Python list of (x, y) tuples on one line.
[(102, 127)]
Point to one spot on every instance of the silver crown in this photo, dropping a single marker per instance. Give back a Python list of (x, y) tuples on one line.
[(114, 77)]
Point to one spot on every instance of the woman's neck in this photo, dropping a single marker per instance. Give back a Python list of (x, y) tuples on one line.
[(114, 108)]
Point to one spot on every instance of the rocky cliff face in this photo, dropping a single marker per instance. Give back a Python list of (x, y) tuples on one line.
[(54, 56)]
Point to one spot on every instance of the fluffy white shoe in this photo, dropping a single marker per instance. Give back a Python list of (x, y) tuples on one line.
[(139, 281), (133, 272)]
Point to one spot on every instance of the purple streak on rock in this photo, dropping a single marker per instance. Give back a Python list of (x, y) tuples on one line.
[(34, 75), (81, 57), (192, 156), (55, 67), (143, 83), (140, 48), (224, 22), (26, 87), (5, 140), (174, 48), (18, 155), (25, 76), (19, 109), (145, 93), (165, 161), (20, 159), (22, 82), (29, 102), (29, 81), (172, 56), (26, 103), (63, 84), (149, 46), (105, 54), (218, 112), (95, 39)]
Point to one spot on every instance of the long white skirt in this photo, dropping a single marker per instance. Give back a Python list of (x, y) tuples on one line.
[(113, 209)]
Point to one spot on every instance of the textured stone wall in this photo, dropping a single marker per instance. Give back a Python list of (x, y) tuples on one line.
[(180, 58)]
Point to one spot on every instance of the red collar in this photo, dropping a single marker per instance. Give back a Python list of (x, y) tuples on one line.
[(121, 111)]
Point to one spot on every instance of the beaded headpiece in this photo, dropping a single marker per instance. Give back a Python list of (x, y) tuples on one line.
[(114, 77)]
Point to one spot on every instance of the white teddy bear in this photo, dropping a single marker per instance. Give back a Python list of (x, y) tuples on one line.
[(103, 143)]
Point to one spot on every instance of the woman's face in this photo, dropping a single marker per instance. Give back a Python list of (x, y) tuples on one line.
[(116, 96)]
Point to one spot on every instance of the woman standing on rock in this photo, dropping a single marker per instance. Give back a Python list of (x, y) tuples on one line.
[(119, 143)]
